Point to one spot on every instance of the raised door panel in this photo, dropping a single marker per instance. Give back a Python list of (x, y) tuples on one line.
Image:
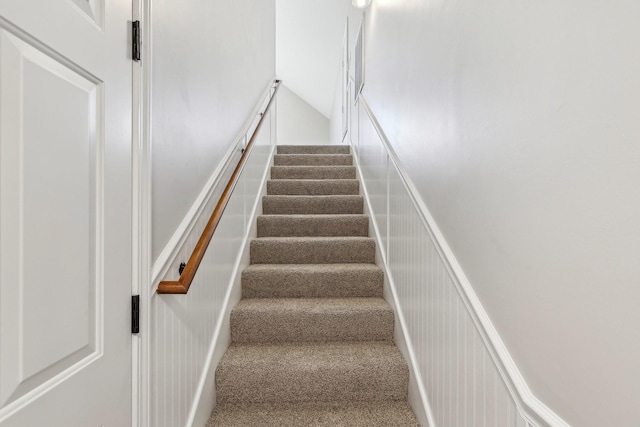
[(93, 10), (51, 142)]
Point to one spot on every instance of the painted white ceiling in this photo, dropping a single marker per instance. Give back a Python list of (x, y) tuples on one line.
[(309, 35)]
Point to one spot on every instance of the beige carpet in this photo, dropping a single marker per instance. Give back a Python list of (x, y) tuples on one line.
[(312, 338)]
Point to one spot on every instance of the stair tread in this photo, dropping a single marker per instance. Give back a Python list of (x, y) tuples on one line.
[(313, 225), (318, 239), (313, 167), (312, 356), (314, 250), (313, 181), (313, 187), (306, 197), (313, 216), (313, 172), (313, 268), (312, 280), (314, 414), (312, 159), (313, 149), (313, 155), (327, 306), (326, 371), (321, 204), (311, 320)]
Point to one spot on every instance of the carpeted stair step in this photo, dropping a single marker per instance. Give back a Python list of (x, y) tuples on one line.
[(334, 204), (313, 187), (295, 372), (312, 250), (314, 414), (312, 280), (313, 149), (313, 172), (312, 225), (313, 160), (272, 320), (312, 336)]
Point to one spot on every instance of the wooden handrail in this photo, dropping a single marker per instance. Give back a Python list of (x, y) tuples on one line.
[(181, 286)]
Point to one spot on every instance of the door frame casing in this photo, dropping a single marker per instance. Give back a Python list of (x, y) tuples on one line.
[(141, 216)]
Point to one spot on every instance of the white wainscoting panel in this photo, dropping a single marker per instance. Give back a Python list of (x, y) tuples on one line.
[(463, 385), (373, 167), (184, 328)]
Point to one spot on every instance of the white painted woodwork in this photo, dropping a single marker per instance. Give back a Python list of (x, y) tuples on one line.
[(65, 213), (518, 124), (298, 122), (210, 61), (462, 382), (189, 333)]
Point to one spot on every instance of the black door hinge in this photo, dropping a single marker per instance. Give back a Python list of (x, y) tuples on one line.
[(135, 48), (135, 314)]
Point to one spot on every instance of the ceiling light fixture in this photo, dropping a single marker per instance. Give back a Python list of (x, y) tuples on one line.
[(361, 4)]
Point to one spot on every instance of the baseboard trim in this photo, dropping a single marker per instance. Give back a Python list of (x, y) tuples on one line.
[(165, 260), (204, 398)]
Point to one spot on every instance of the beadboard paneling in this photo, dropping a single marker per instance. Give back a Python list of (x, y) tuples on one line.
[(464, 387), (183, 326), (373, 167)]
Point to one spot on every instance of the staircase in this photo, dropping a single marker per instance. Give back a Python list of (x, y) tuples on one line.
[(312, 337)]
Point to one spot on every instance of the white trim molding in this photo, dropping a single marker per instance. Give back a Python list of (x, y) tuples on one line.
[(141, 216), (383, 170)]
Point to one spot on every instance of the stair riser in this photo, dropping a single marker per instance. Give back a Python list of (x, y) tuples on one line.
[(312, 252), (296, 384), (313, 160), (313, 149), (302, 226), (305, 187), (290, 414), (313, 172), (292, 284), (265, 327), (312, 205)]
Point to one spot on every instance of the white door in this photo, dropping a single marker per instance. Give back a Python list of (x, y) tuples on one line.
[(65, 213)]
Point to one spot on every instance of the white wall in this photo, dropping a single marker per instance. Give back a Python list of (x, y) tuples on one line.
[(355, 19), (454, 380), (211, 62), (298, 122), (309, 37), (517, 123), (335, 121)]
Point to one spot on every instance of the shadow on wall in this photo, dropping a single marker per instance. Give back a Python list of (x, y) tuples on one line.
[(298, 122)]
